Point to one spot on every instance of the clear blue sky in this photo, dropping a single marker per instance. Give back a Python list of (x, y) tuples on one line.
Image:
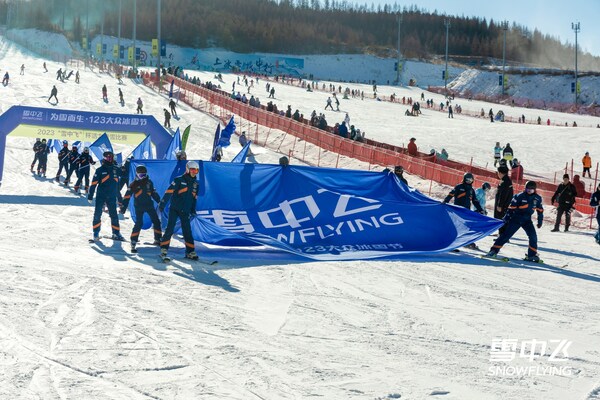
[(551, 17)]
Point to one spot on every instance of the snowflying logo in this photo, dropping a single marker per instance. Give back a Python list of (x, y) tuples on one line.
[(505, 351)]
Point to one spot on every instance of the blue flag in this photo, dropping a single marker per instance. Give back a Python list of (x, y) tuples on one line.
[(119, 158), (144, 150), (174, 147), (57, 145), (226, 133), (213, 157), (241, 156), (101, 145)]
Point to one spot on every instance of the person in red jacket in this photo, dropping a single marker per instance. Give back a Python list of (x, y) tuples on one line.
[(412, 147)]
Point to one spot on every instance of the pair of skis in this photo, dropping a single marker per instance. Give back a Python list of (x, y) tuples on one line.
[(162, 257)]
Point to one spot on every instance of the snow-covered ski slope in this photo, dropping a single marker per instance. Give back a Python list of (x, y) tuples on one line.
[(82, 322)]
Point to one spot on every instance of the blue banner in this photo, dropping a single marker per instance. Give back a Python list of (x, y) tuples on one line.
[(174, 147), (163, 48), (119, 158), (319, 213), (241, 156), (101, 145), (143, 151), (121, 52), (226, 133)]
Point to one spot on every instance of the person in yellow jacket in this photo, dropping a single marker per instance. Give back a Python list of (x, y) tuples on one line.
[(587, 164)]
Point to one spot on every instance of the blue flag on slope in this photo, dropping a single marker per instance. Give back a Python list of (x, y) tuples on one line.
[(174, 147), (213, 157), (101, 145), (226, 133), (57, 145), (241, 156), (144, 150)]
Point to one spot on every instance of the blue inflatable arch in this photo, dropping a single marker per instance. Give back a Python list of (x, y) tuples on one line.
[(71, 125)]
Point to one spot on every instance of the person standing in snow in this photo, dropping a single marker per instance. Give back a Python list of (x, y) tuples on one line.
[(36, 155), (587, 164), (172, 106), (121, 100), (73, 157), (63, 160), (595, 202), (104, 93), (77, 77), (497, 153), (167, 123), (272, 93), (140, 106), (507, 153), (481, 195), (565, 195), (45, 68), (504, 195), (83, 170), (5, 79), (106, 179), (59, 75), (53, 93), (518, 216), (43, 152), (337, 102), (464, 196), (329, 104), (182, 193), (143, 191), (22, 69), (450, 112)]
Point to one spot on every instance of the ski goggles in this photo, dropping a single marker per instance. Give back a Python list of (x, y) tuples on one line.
[(142, 175), (469, 180), (194, 170), (530, 190)]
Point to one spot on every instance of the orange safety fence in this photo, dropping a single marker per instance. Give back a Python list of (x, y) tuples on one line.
[(427, 167)]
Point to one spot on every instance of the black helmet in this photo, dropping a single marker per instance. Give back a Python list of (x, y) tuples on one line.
[(531, 185), (65, 143), (108, 156), (468, 178), (486, 186), (141, 169)]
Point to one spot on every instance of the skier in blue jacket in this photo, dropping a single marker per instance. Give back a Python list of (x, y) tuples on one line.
[(63, 160), (106, 179), (72, 159), (182, 193), (519, 213), (83, 169), (464, 194), (144, 194)]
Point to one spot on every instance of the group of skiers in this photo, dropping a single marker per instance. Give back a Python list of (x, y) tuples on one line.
[(107, 183)]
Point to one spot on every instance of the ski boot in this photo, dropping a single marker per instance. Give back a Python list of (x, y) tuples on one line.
[(492, 254), (163, 255), (533, 258), (118, 236), (57, 179), (191, 255), (133, 249)]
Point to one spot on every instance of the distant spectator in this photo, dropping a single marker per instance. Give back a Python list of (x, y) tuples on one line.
[(284, 161), (507, 153), (580, 187), (587, 164), (516, 174), (412, 147)]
